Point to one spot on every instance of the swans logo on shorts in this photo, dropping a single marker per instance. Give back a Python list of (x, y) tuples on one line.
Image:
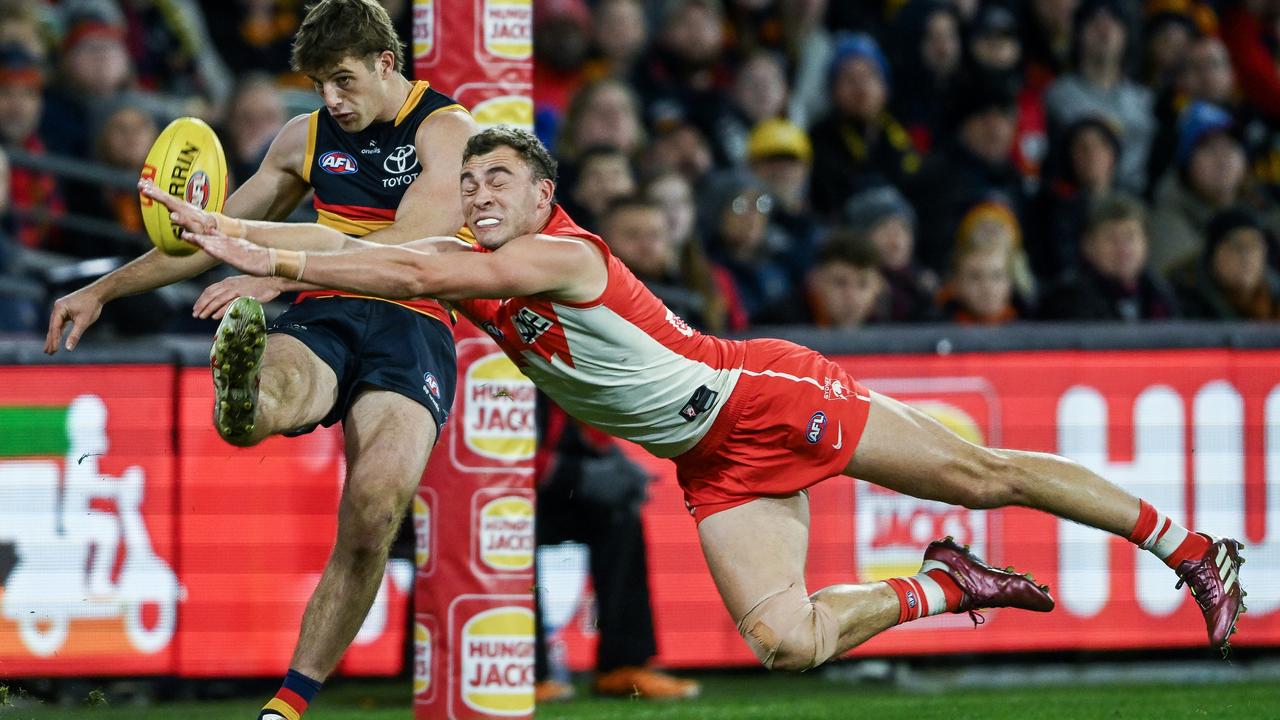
[(817, 426), (198, 189), (336, 162)]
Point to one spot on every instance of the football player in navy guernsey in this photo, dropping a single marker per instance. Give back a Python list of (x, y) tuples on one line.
[(382, 157)]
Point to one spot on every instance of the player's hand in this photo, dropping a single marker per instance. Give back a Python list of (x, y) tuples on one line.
[(214, 300), (81, 309), (240, 254), (182, 213)]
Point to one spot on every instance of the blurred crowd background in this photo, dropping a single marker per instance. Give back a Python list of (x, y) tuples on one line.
[(756, 162)]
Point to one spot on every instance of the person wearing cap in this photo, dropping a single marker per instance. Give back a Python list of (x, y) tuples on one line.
[(1081, 167), (858, 139), (974, 164), (1113, 282), (1210, 172), (884, 217), (780, 156), (1098, 85), (1232, 279)]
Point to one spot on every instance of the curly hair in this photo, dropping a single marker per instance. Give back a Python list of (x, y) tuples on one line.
[(526, 144)]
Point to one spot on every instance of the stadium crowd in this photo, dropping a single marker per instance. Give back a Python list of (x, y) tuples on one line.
[(755, 162)]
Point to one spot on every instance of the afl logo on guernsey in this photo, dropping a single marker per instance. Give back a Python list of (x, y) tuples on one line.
[(336, 162), (817, 426)]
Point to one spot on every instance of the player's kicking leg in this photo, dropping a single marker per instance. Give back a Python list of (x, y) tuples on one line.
[(905, 450), (756, 554), (388, 440), (264, 384)]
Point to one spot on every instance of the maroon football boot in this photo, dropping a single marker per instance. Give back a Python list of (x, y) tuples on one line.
[(983, 585), (1214, 581)]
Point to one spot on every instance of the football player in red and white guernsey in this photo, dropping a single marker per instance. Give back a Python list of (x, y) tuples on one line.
[(750, 425)]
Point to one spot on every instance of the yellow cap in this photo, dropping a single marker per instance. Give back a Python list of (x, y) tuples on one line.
[(773, 138)]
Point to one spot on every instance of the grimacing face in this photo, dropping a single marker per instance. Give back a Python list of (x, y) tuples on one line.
[(501, 200), (354, 93)]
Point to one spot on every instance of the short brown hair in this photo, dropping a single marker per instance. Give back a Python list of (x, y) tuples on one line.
[(1114, 207), (335, 30), (848, 246), (526, 144)]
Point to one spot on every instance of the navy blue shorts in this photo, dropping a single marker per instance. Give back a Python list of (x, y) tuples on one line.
[(377, 343)]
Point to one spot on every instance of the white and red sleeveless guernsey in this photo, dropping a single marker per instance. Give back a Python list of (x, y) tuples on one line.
[(628, 366)]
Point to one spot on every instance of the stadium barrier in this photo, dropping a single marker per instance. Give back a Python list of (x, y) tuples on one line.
[(134, 541)]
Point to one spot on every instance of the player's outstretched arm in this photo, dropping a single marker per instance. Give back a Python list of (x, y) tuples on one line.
[(272, 193), (528, 265)]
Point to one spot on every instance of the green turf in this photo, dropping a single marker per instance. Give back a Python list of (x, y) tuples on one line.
[(746, 696)]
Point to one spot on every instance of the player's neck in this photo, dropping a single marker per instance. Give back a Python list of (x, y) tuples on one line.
[(400, 89)]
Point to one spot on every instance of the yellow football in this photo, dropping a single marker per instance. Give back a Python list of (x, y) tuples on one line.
[(187, 162)]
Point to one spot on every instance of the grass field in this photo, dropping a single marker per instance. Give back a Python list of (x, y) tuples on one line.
[(746, 696)]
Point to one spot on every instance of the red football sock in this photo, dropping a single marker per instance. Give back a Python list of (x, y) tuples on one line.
[(1164, 538), (930, 593)]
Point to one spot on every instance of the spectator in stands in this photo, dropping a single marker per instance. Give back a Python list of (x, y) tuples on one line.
[(256, 35), (561, 40), (603, 113), (678, 145), (929, 53), (620, 34), (1113, 282), (34, 195), (1203, 75), (981, 288), (257, 114), (1098, 86), (1211, 172), (95, 68), (780, 156), (173, 53), (1081, 168), (741, 238), (994, 56), (20, 25), (809, 46), (1170, 28), (122, 137), (974, 165), (858, 143), (844, 290), (1048, 27), (992, 224), (759, 93), (19, 296), (1252, 34), (639, 235), (604, 174), (1231, 279), (884, 218), (722, 310), (684, 74)]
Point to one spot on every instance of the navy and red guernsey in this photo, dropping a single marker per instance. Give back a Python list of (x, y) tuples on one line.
[(360, 178)]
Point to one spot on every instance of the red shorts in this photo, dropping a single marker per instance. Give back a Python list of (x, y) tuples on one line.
[(792, 421)]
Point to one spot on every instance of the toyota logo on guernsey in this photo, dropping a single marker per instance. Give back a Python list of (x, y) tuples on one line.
[(401, 160), (336, 162)]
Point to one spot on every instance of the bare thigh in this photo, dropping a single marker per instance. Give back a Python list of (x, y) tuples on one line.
[(296, 388), (756, 549), (388, 440), (905, 450)]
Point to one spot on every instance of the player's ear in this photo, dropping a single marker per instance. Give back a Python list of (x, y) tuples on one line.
[(546, 193)]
